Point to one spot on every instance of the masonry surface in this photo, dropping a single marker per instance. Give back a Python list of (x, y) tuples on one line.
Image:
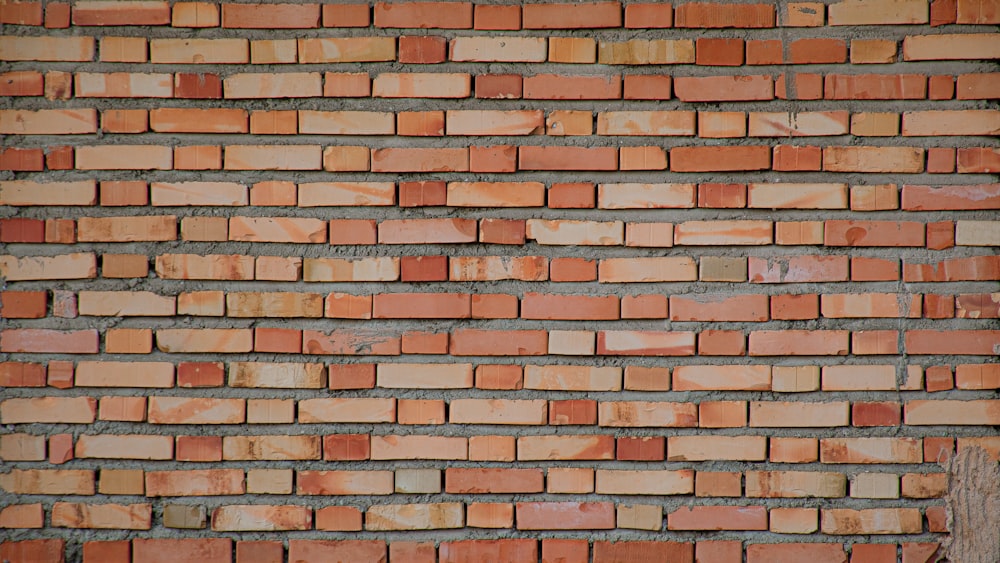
[(442, 281)]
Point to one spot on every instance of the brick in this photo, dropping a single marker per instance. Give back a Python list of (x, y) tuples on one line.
[(120, 85), (490, 49), (870, 450), (704, 159), (873, 51), (710, 15), (873, 159), (281, 51), (575, 232), (174, 120), (801, 124), (33, 551), (209, 550), (884, 12), (48, 481), (795, 484), (949, 47), (199, 51), (943, 122), (23, 304), (270, 16), (497, 17), (652, 482), (871, 521), (565, 515), (21, 83), (574, 50), (48, 122), (718, 518), (646, 87), (346, 50), (197, 85), (49, 341), (195, 14), (282, 85), (724, 88), (563, 87), (818, 552), (722, 124), (976, 86), (68, 49), (22, 516), (818, 51), (337, 519), (719, 52), (488, 550)]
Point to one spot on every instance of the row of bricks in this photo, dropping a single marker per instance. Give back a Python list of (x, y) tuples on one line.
[(62, 374), (484, 342), (362, 447), (59, 85), (430, 49), (766, 270), (594, 515), (503, 122), (503, 158), (531, 305), (554, 480), (466, 15), (558, 195), (546, 232), (518, 412), (553, 550)]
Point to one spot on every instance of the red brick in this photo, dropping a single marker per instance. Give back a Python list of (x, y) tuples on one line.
[(119, 551), (147, 13), (259, 552), (712, 15), (33, 551), (943, 12), (441, 15), (57, 15), (818, 51), (561, 87), (723, 88), (719, 52), (360, 551), (270, 16), (497, 18), (197, 86), (652, 448), (645, 551), (214, 550), (576, 16), (346, 15), (705, 159), (565, 515), (352, 376), (875, 414), (646, 87), (649, 15), (200, 374), (573, 412), (466, 551), (423, 49), (498, 86), (875, 87)]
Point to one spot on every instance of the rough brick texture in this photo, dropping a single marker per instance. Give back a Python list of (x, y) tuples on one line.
[(442, 281)]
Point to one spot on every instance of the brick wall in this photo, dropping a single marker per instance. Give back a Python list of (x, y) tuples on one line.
[(419, 281)]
